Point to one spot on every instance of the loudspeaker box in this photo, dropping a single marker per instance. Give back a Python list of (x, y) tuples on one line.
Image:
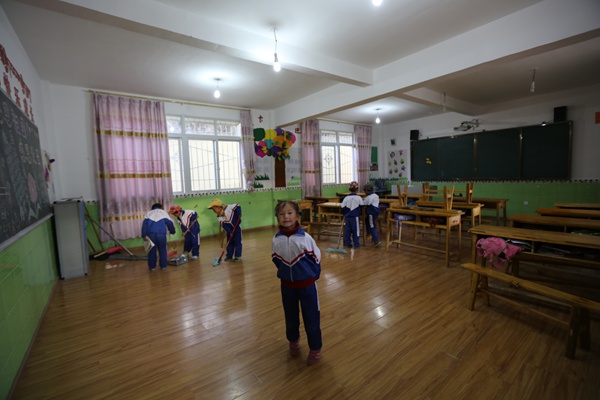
[(414, 134), (560, 114)]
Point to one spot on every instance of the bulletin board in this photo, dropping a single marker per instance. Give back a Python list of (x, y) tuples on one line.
[(24, 198)]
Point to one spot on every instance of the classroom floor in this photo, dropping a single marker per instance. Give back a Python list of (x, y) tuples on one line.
[(395, 326)]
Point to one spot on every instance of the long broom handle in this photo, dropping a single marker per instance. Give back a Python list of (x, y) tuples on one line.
[(112, 237)]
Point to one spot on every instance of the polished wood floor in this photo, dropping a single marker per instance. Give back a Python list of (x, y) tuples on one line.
[(395, 326)]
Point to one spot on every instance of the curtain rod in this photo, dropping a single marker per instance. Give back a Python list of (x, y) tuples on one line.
[(192, 103), (343, 122)]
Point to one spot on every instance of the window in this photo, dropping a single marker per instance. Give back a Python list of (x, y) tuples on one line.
[(337, 156), (205, 154)]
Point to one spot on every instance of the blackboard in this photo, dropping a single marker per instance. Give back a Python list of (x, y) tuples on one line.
[(424, 160), (546, 152), (498, 154), (524, 153), (23, 195), (456, 157)]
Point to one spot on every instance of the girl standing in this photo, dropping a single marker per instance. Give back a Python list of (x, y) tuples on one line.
[(298, 262)]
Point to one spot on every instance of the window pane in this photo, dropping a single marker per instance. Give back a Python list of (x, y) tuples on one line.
[(176, 165), (230, 176), (202, 165), (328, 137), (346, 164), (328, 163), (173, 124), (199, 126), (229, 128), (345, 137)]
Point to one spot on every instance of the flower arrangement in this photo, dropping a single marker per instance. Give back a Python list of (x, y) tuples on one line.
[(273, 143)]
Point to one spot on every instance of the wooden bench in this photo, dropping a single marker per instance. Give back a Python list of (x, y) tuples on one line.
[(578, 326)]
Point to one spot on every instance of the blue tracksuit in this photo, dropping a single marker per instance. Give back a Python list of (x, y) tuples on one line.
[(156, 225), (188, 222), (232, 215), (298, 262), (372, 211), (351, 208)]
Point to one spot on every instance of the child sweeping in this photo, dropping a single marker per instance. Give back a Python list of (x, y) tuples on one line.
[(190, 229), (155, 226), (351, 208), (372, 210), (230, 217), (298, 262)]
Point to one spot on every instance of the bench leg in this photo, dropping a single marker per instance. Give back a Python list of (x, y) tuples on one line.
[(473, 291), (584, 329), (573, 334)]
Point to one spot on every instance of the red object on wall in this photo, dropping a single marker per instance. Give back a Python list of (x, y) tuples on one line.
[(598, 117)]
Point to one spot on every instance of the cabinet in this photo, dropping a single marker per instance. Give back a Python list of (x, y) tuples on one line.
[(71, 240)]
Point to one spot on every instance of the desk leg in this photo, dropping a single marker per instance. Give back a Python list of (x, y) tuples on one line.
[(448, 229), (504, 213)]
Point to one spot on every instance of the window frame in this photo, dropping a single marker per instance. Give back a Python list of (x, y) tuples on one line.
[(340, 172), (184, 139)]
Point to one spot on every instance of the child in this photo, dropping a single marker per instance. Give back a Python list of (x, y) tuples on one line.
[(351, 210), (372, 209), (155, 226), (297, 258), (190, 229), (230, 217)]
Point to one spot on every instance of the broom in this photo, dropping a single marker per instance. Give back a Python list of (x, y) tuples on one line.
[(218, 259), (338, 250), (174, 251)]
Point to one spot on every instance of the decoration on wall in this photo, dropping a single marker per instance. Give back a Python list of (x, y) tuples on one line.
[(48, 168), (273, 143), (21, 97), (258, 178), (260, 119), (396, 164)]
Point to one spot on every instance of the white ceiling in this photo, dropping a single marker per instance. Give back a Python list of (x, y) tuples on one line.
[(341, 59)]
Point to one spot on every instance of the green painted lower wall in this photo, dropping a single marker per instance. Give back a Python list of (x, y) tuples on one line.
[(29, 270), (28, 273)]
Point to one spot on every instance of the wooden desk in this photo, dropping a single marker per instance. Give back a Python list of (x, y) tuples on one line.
[(569, 212), (333, 210), (489, 204), (473, 209), (527, 220), (581, 206), (452, 217), (319, 199), (536, 237)]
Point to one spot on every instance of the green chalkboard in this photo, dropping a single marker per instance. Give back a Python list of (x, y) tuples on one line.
[(528, 153), (498, 154), (456, 157), (546, 151), (23, 194), (424, 160)]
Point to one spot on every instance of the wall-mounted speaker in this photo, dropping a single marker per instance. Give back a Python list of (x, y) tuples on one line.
[(560, 114), (414, 134)]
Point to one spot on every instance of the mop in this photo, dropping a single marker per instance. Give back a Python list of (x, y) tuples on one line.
[(131, 256), (338, 250), (218, 259)]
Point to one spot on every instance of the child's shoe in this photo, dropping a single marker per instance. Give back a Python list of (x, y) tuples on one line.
[(313, 357), (294, 349), (194, 257), (237, 259), (377, 243)]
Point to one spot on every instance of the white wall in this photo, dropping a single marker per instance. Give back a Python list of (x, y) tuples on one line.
[(582, 104)]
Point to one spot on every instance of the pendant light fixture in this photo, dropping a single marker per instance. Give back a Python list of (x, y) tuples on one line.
[(217, 91), (532, 86), (377, 3), (377, 120), (276, 65)]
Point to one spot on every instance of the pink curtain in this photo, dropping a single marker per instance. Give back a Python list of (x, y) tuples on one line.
[(311, 158), (133, 168), (362, 134), (248, 149)]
